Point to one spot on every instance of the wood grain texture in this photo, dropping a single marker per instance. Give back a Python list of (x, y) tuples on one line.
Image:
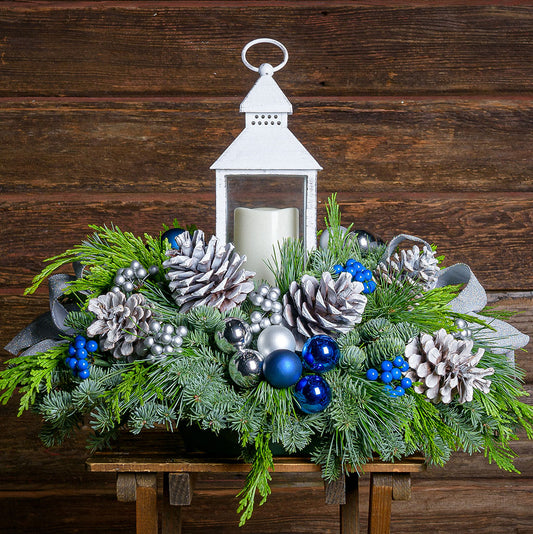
[(365, 145), (458, 223), (380, 503), (170, 49)]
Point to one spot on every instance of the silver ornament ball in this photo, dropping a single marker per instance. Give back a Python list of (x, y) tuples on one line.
[(135, 264), (274, 293), (246, 368), (128, 273), (276, 318), (234, 334), (256, 316), (275, 338), (141, 272), (265, 323), (266, 305), (182, 331), (128, 287), (153, 269), (155, 326), (277, 307), (263, 290), (255, 328), (461, 324)]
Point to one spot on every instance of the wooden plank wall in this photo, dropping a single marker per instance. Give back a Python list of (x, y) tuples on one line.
[(421, 114)]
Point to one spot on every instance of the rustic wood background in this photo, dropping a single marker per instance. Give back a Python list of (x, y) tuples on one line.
[(421, 114)]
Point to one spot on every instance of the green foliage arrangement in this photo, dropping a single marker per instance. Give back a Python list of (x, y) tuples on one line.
[(190, 385)]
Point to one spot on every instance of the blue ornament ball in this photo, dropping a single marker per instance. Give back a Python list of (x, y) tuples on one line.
[(386, 377), (338, 268), (91, 346), (82, 364), (81, 354), (171, 234), (398, 361), (399, 391), (71, 362), (386, 365), (72, 350), (84, 374), (372, 374), (396, 373), (312, 393), (79, 342), (282, 368), (405, 367), (320, 354)]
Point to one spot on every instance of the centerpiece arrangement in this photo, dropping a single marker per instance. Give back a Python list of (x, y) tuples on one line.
[(341, 351)]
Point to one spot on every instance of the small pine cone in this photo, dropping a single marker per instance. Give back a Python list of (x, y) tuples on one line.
[(206, 275), (327, 306), (119, 321), (446, 367), (413, 265)]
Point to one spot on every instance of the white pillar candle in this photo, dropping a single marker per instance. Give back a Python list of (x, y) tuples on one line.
[(257, 232)]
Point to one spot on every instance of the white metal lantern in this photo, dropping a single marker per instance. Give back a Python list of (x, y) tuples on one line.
[(266, 179)]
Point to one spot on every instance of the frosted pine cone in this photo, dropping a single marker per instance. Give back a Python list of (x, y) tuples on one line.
[(207, 275), (327, 306), (414, 265), (119, 321), (446, 367)]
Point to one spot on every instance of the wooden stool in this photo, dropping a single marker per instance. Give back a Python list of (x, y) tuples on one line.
[(137, 481)]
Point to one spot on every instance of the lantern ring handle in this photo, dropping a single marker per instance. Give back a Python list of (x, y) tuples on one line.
[(265, 40)]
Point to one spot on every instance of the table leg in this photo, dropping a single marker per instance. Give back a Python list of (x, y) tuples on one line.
[(380, 503), (146, 507), (350, 510)]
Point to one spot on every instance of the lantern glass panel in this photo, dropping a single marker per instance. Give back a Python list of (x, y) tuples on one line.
[(265, 191)]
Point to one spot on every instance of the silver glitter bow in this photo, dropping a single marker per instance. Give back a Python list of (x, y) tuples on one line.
[(45, 331), (504, 338)]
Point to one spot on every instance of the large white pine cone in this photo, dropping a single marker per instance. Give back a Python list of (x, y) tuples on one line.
[(211, 275), (446, 367), (119, 321), (413, 265), (323, 306)]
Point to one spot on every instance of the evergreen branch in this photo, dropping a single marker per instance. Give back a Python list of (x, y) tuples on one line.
[(28, 373), (288, 263), (257, 479)]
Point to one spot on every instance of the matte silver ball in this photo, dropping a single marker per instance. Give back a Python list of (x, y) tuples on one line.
[(246, 368), (233, 335), (141, 272), (156, 349), (256, 316), (460, 323), (265, 323), (256, 299), (168, 329), (277, 307), (182, 331), (275, 338), (276, 318), (263, 290), (266, 305), (274, 293), (155, 326), (165, 338), (128, 287)]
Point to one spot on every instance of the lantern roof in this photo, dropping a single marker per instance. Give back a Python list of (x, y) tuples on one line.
[(270, 148), (266, 145), (266, 97)]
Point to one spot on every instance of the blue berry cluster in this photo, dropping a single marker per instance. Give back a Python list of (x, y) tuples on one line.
[(76, 360), (359, 273), (391, 371)]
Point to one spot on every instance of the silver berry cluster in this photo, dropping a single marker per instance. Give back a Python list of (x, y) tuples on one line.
[(164, 339), (128, 278), (266, 298), (464, 331)]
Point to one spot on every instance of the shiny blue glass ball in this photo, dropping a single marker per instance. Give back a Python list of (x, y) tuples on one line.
[(79, 342), (171, 235), (405, 367), (282, 368), (72, 350), (81, 354), (82, 364), (386, 377), (320, 354), (84, 374), (406, 382), (338, 268), (312, 393)]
